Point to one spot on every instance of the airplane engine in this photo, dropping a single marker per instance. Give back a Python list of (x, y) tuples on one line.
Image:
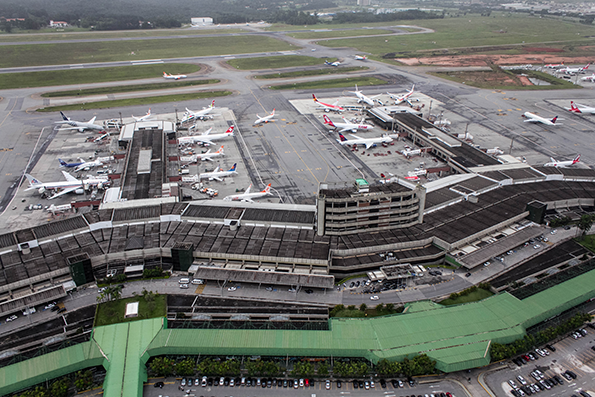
[(86, 186), (41, 190), (79, 191), (100, 186)]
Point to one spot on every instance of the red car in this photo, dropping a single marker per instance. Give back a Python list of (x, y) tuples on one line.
[(448, 394), (307, 382)]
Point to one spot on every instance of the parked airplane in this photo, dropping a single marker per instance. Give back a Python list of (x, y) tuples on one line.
[(574, 107), (336, 63), (554, 65), (403, 98), (346, 126), (174, 76), (79, 125), (265, 119), (410, 152), (206, 138), (59, 208), (369, 142), (363, 98), (360, 57), (71, 184), (218, 174), (574, 70), (247, 196), (209, 156), (143, 118), (327, 107), (71, 165), (533, 118), (554, 163), (199, 115), (590, 78), (85, 165)]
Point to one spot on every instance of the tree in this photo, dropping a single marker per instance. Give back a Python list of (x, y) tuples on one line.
[(83, 380), (585, 223), (323, 369), (185, 367), (37, 392), (60, 388), (363, 307), (162, 366), (390, 307), (379, 307), (110, 293)]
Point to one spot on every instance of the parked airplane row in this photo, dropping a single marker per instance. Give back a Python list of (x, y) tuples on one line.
[(71, 184), (206, 138)]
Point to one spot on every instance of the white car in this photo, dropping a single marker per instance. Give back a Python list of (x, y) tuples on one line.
[(12, 318), (328, 385), (204, 381), (232, 288), (374, 297)]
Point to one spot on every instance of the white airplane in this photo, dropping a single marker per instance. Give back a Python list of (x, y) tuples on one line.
[(218, 174), (369, 142), (59, 208), (562, 164), (143, 118), (362, 98), (248, 197), (554, 65), (410, 152), (346, 126), (568, 70), (574, 107), (360, 57), (206, 138), (71, 184), (79, 125), (590, 78), (174, 76), (403, 98), (328, 107), (264, 119), (336, 63), (209, 156), (199, 115), (533, 118), (86, 165)]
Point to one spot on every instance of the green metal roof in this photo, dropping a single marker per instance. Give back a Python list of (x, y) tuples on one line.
[(457, 337)]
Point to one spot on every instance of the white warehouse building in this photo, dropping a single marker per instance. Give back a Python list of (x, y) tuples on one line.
[(201, 21)]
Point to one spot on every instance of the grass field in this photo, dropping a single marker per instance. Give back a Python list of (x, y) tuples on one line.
[(475, 296), (339, 33), (334, 83), (137, 101), (277, 27), (277, 61), (130, 88), (471, 30), (316, 72), (113, 312), (501, 80), (95, 75), (588, 242), (133, 50), (85, 34)]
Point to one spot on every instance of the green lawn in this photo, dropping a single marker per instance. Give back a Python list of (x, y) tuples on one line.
[(588, 242), (95, 75), (459, 77), (472, 30), (477, 295), (85, 34), (334, 83), (137, 101), (113, 312), (315, 72), (339, 33), (277, 61), (129, 88), (135, 50)]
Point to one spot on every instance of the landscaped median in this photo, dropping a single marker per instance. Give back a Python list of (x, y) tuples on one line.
[(117, 103), (276, 62), (334, 83), (315, 72)]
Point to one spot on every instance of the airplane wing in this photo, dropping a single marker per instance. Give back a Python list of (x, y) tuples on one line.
[(247, 200), (248, 189), (207, 131), (217, 178), (65, 191), (369, 145), (207, 141), (92, 120), (69, 177), (356, 137)]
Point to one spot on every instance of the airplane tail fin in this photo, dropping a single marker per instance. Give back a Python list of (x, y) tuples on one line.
[(230, 130), (314, 97), (64, 116), (328, 121), (554, 120), (220, 150), (576, 159), (267, 189), (342, 137), (33, 181), (164, 74), (62, 163), (574, 108), (273, 112), (234, 167), (212, 105), (553, 160)]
